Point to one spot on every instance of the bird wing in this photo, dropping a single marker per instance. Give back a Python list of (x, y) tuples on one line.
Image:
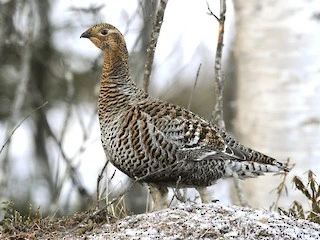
[(193, 137)]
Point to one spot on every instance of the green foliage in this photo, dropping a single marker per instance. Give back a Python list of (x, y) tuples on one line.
[(311, 190)]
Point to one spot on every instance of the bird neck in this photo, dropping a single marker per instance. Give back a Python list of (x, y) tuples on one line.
[(116, 87), (115, 67)]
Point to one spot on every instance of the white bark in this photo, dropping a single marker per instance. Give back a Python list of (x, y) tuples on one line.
[(278, 96)]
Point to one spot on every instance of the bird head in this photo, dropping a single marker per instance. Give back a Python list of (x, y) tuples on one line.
[(106, 37)]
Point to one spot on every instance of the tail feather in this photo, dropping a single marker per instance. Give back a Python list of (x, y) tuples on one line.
[(245, 154), (249, 169)]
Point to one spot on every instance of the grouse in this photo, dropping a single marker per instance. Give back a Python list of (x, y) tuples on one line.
[(159, 143)]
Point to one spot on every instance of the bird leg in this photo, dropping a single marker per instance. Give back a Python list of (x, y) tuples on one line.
[(159, 196), (204, 195)]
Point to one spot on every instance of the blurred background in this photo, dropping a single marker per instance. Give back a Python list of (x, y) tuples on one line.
[(271, 62)]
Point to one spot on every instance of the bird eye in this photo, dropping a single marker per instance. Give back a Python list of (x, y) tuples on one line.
[(104, 32)]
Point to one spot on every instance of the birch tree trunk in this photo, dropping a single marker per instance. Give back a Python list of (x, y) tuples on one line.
[(277, 50)]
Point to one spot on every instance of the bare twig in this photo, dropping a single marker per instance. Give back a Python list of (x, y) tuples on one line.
[(282, 187), (100, 176), (19, 124), (194, 87), (153, 44), (211, 13)]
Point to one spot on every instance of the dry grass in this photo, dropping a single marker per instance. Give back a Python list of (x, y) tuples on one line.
[(311, 191), (33, 226)]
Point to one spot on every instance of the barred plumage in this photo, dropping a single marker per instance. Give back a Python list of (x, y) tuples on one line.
[(158, 142)]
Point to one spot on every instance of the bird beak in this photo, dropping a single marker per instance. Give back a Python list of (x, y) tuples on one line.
[(86, 35)]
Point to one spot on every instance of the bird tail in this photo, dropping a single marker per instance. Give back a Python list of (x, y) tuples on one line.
[(249, 169)]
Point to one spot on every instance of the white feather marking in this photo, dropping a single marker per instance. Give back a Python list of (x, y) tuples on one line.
[(256, 167), (195, 140), (272, 168), (190, 149), (264, 168), (250, 174), (244, 166), (236, 166), (204, 155)]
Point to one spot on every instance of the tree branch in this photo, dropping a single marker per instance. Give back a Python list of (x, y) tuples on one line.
[(217, 113), (19, 124), (153, 44)]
